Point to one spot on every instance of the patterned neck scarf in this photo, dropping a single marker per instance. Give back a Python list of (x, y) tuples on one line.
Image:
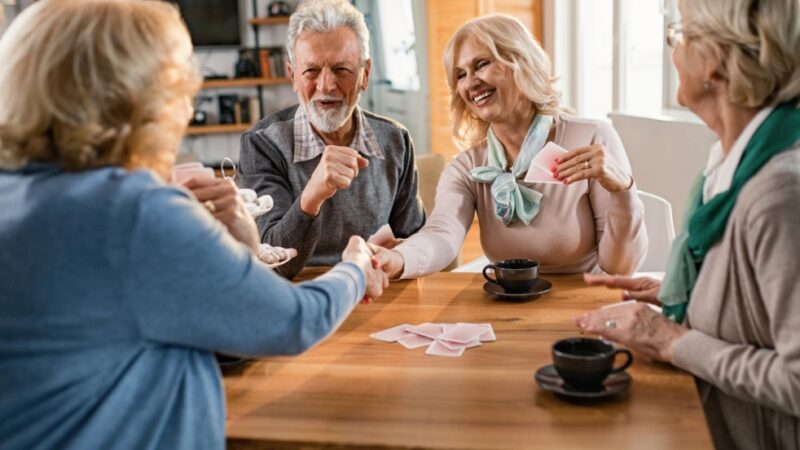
[(513, 202)]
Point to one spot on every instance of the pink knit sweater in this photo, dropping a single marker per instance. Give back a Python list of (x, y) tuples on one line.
[(579, 228)]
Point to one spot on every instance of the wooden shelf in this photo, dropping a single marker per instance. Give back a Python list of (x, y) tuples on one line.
[(244, 82), (269, 20), (218, 129)]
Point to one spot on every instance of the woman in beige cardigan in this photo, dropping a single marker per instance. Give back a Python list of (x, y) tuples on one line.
[(505, 108), (731, 287)]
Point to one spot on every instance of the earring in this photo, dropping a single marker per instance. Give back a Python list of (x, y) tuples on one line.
[(706, 85)]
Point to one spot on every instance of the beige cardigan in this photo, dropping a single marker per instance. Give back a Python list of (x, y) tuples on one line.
[(744, 343), (579, 228)]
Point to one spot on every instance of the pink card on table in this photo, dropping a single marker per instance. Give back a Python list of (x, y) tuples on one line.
[(437, 348), (392, 334), (429, 330), (463, 333), (455, 345), (543, 164), (414, 341), (488, 332)]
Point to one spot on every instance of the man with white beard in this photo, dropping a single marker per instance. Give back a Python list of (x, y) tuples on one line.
[(332, 169)]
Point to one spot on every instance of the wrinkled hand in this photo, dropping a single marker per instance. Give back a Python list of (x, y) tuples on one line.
[(643, 289), (605, 169), (220, 197), (390, 261), (360, 253), (336, 170), (635, 326)]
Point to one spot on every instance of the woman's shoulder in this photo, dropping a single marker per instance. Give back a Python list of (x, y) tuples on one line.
[(471, 157), (575, 131), (775, 187)]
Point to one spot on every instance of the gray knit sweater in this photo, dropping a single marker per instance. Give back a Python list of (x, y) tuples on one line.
[(384, 192)]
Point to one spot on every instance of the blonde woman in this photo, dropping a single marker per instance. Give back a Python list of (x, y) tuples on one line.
[(116, 288), (731, 289), (505, 108)]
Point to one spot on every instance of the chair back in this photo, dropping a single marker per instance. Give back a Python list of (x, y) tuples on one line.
[(660, 232)]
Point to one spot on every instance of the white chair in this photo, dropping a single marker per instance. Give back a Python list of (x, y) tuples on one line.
[(660, 233)]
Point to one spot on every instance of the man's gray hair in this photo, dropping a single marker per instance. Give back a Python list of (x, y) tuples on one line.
[(324, 16)]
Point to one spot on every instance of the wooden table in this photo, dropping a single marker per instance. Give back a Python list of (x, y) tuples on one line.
[(353, 391)]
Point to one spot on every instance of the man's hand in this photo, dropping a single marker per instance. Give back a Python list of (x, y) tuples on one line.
[(221, 198), (337, 168), (390, 261), (360, 253)]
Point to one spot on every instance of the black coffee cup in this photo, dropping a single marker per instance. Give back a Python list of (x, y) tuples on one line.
[(515, 276), (584, 363)]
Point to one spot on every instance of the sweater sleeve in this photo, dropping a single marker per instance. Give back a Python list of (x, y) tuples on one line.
[(407, 216), (192, 284), (760, 374), (440, 240), (265, 171), (618, 216)]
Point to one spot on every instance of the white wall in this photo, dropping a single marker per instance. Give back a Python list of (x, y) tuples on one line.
[(666, 154)]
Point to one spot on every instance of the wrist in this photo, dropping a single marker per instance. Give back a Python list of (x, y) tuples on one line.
[(310, 204)]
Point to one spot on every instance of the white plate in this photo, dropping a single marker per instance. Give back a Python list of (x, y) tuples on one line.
[(288, 254)]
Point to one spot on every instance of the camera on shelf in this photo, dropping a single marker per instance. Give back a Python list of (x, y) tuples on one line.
[(247, 64), (278, 9)]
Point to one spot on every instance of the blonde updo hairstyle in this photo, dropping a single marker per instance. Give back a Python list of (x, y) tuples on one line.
[(91, 83), (513, 46), (757, 44)]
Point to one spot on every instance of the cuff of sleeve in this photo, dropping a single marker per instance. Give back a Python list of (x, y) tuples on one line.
[(693, 350), (354, 273), (411, 260), (624, 201)]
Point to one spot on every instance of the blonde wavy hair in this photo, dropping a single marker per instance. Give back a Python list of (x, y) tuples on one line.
[(91, 83), (513, 46), (756, 42)]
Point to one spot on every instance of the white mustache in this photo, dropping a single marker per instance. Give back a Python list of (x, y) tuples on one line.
[(327, 98)]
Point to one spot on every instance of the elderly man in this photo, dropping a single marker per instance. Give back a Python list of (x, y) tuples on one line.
[(333, 169)]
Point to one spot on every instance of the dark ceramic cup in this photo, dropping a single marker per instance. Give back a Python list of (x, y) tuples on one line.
[(513, 275), (584, 363)]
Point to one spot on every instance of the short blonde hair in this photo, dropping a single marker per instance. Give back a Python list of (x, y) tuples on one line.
[(756, 42), (514, 46), (91, 83)]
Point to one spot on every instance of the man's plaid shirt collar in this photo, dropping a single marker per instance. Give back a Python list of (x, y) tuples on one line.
[(308, 145)]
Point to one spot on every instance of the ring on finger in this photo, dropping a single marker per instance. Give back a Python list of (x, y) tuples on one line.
[(586, 165), (210, 206), (611, 323)]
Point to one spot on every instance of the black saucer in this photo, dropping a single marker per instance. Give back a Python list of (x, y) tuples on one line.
[(549, 380), (542, 286)]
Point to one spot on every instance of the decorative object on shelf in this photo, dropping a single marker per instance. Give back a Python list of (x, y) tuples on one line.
[(199, 116), (247, 64), (278, 9), (227, 108)]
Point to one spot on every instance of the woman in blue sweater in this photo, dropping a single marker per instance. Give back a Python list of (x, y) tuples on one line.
[(116, 288)]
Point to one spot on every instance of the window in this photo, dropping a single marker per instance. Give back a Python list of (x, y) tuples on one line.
[(397, 40), (611, 56)]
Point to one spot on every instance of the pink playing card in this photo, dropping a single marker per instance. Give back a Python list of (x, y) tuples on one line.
[(429, 330), (488, 333), (547, 158), (392, 334), (414, 341), (382, 236), (543, 164), (455, 345), (463, 333), (184, 175), (439, 349)]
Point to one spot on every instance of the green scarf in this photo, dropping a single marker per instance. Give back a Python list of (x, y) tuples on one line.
[(707, 221)]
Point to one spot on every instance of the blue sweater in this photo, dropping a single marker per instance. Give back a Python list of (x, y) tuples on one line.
[(114, 291)]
